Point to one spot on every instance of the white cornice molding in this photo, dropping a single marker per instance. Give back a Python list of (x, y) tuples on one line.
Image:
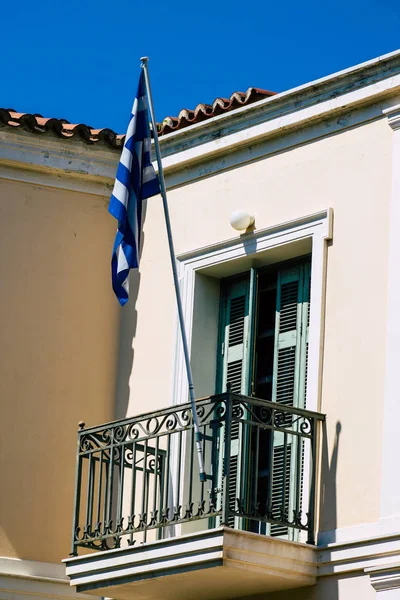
[(51, 152), (32, 569), (27, 579), (25, 157), (393, 116), (383, 528), (359, 547), (331, 86), (212, 145), (274, 144), (384, 578), (360, 555), (54, 179)]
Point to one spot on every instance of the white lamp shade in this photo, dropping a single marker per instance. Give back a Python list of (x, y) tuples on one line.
[(241, 220)]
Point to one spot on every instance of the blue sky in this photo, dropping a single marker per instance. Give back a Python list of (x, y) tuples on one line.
[(79, 59)]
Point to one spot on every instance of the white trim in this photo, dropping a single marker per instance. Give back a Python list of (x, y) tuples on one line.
[(294, 119), (385, 580), (270, 145), (335, 559), (330, 85), (360, 547), (64, 181), (318, 227), (317, 311), (390, 486), (393, 116), (32, 569), (22, 579), (64, 158), (358, 533)]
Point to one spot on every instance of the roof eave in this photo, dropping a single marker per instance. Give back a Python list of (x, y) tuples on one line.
[(331, 86)]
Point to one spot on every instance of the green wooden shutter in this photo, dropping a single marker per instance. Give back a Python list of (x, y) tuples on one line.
[(289, 382), (236, 335)]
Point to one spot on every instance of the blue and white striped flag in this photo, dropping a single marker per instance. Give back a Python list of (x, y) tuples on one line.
[(135, 181)]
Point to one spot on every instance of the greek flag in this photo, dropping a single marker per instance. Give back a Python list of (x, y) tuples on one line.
[(135, 181)]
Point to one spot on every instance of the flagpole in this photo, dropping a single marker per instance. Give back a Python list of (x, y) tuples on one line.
[(174, 271)]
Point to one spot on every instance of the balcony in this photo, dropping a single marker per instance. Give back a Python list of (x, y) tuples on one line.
[(154, 529)]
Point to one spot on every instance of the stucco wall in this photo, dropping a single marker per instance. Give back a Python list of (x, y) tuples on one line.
[(350, 172), (59, 328), (328, 588)]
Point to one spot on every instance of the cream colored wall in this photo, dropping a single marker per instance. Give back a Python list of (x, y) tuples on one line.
[(350, 172), (345, 587), (59, 328)]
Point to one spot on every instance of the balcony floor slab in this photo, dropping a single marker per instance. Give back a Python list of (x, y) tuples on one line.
[(214, 564)]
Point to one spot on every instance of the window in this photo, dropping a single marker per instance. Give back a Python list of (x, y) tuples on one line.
[(263, 349), (265, 258)]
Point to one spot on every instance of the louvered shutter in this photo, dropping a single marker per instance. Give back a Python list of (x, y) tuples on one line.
[(235, 335), (236, 327), (289, 380)]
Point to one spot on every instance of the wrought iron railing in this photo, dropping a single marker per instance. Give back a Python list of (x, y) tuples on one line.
[(137, 478)]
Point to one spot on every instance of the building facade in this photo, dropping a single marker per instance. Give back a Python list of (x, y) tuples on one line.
[(293, 328)]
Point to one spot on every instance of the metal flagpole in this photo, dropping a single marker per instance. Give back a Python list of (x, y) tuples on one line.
[(175, 274)]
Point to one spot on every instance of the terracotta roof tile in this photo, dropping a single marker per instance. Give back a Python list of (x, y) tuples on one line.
[(62, 128), (207, 111)]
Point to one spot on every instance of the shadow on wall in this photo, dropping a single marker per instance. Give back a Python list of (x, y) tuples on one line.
[(127, 333), (327, 588), (328, 504)]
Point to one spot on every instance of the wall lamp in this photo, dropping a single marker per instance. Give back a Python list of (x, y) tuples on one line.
[(241, 220)]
